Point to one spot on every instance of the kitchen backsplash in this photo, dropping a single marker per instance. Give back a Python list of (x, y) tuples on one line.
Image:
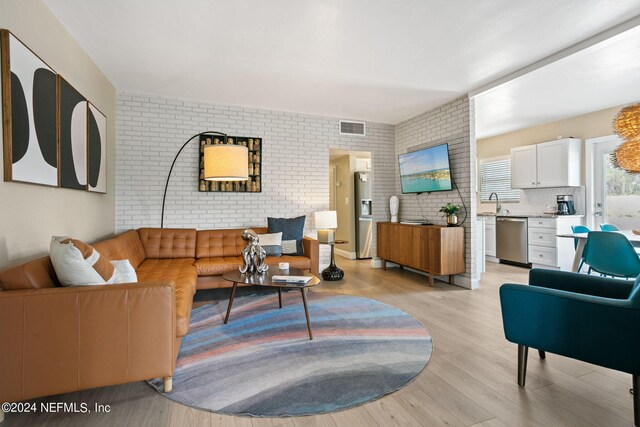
[(535, 200)]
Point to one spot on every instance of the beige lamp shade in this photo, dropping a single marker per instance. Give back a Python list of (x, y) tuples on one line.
[(325, 222), (326, 219), (226, 163)]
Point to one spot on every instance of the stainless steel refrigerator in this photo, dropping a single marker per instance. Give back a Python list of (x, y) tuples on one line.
[(364, 223)]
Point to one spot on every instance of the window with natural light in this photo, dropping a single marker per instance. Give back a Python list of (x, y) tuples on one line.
[(495, 177)]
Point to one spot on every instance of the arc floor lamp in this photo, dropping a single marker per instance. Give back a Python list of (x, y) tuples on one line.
[(222, 162)]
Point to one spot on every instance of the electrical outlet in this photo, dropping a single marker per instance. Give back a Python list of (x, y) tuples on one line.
[(346, 200)]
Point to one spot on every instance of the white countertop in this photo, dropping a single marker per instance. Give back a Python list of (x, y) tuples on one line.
[(530, 215)]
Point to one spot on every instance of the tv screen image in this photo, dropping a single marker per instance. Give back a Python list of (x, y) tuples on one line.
[(426, 170)]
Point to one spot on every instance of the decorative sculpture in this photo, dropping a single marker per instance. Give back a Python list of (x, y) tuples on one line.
[(253, 254), (394, 207)]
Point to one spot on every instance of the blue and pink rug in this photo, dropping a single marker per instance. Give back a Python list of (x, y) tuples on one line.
[(263, 364)]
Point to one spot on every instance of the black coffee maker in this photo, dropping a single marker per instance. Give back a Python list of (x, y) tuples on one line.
[(565, 204)]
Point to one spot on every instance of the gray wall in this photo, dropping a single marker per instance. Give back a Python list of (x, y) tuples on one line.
[(295, 176), (452, 123)]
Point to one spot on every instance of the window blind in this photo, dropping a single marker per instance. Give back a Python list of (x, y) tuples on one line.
[(495, 177)]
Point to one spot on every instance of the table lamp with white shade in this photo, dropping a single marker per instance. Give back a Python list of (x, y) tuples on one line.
[(326, 222)]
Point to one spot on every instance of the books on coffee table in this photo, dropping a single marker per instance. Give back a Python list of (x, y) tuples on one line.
[(291, 280)]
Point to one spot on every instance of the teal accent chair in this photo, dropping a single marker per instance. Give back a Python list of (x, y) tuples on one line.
[(611, 254), (608, 227), (579, 229), (588, 318)]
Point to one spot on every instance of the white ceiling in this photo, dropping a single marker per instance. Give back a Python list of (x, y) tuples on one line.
[(603, 75), (380, 60)]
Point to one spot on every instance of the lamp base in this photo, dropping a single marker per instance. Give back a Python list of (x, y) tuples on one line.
[(326, 236), (332, 273)]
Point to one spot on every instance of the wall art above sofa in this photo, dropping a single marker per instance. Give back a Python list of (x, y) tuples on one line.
[(52, 134)]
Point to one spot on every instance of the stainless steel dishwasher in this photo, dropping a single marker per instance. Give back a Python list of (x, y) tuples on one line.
[(512, 239)]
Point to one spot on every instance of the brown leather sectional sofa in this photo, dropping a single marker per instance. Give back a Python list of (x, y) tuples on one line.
[(57, 339)]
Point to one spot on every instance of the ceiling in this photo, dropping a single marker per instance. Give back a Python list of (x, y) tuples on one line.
[(381, 60), (600, 76)]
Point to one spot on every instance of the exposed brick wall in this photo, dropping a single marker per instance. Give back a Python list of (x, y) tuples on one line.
[(452, 123), (295, 175)]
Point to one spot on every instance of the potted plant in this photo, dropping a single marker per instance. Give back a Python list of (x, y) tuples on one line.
[(450, 211)]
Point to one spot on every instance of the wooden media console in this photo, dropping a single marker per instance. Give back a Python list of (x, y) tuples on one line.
[(435, 249)]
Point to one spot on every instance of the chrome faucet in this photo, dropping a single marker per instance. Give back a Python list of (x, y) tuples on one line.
[(498, 205)]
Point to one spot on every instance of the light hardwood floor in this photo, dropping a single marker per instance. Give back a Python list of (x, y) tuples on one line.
[(470, 380)]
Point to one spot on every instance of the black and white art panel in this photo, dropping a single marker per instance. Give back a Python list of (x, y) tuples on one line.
[(73, 137), (30, 140), (97, 159)]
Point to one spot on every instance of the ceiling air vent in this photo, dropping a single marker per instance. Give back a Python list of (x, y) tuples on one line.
[(352, 128)]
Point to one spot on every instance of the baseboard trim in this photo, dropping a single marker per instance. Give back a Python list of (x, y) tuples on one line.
[(345, 254)]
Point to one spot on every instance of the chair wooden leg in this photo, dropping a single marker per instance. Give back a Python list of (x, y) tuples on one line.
[(523, 353), (168, 384), (542, 354), (636, 400)]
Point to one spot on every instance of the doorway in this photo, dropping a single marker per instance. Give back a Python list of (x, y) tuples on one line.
[(350, 172), (613, 195)]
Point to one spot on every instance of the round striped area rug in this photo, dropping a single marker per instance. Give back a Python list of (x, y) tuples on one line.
[(263, 364)]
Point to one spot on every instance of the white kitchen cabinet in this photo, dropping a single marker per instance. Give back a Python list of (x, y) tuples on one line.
[(546, 249), (559, 163), (490, 238), (524, 173), (546, 165), (480, 253)]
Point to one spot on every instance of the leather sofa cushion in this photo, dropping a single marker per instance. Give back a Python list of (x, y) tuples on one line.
[(222, 243), (34, 274), (217, 266), (220, 265), (126, 245), (168, 243), (184, 274)]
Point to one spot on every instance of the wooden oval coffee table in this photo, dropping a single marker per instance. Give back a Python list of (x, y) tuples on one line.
[(266, 279)]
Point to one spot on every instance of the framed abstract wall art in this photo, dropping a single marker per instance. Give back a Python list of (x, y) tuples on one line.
[(52, 134), (29, 114)]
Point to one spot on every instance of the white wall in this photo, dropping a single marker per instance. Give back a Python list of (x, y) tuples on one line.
[(451, 123), (295, 165), (30, 214)]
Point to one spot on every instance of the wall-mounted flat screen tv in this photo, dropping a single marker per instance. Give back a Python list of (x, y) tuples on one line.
[(426, 170)]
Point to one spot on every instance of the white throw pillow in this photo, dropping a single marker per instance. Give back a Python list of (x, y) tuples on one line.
[(79, 264), (125, 271), (271, 243)]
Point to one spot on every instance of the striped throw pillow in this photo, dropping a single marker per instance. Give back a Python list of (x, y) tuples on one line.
[(79, 264)]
